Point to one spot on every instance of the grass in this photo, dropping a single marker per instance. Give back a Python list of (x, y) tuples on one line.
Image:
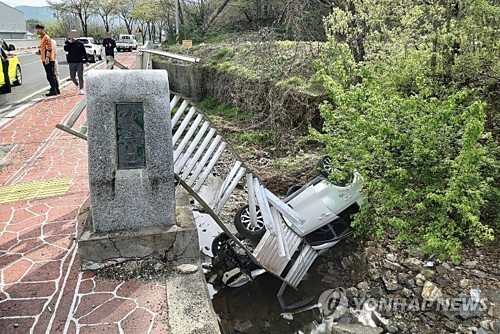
[(211, 107)]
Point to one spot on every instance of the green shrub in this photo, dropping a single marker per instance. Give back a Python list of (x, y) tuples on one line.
[(426, 161), (409, 87)]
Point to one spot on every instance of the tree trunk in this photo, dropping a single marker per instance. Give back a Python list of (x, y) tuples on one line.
[(214, 16)]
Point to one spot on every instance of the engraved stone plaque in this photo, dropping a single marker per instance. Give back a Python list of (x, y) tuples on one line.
[(130, 135)]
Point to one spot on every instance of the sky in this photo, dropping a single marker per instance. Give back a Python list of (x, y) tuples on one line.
[(36, 3)]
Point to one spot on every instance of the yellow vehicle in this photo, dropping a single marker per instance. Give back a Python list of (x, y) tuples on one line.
[(15, 74)]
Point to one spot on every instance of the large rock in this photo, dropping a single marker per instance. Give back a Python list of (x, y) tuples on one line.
[(393, 266), (430, 292)]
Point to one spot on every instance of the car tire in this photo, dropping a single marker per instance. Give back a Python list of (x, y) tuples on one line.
[(244, 226), (324, 166), (217, 243), (93, 58), (100, 55), (19, 77), (293, 189)]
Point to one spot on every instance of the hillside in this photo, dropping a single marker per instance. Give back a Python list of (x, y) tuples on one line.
[(43, 14)]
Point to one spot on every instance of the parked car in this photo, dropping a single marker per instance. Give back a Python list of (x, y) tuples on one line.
[(94, 51), (15, 74), (126, 43)]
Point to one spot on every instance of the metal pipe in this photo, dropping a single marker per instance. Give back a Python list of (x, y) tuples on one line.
[(174, 56)]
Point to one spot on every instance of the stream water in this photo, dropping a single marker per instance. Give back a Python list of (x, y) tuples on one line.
[(254, 307)]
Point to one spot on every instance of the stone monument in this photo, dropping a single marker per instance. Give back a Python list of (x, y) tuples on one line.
[(131, 175)]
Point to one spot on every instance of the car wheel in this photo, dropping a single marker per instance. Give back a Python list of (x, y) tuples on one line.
[(218, 242), (100, 55), (293, 189), (19, 76), (324, 166), (93, 58), (244, 226)]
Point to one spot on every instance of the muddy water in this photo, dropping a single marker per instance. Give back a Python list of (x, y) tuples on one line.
[(254, 307)]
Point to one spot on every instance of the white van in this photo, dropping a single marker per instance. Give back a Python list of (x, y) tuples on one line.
[(126, 43)]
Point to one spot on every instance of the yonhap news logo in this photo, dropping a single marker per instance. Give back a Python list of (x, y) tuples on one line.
[(334, 304)]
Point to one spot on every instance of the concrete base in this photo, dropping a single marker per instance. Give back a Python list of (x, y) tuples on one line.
[(173, 243)]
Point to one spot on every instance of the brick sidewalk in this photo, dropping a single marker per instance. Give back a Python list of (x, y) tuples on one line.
[(43, 192)]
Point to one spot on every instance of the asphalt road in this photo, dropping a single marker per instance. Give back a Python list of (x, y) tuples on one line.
[(35, 84)]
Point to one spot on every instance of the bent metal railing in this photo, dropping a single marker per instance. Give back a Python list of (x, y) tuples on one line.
[(200, 153)]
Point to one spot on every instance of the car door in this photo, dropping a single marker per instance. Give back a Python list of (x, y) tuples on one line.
[(3, 55), (13, 61)]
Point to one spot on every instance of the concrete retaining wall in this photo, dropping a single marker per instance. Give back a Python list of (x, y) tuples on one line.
[(185, 79)]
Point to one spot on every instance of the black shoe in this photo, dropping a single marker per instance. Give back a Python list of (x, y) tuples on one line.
[(51, 93)]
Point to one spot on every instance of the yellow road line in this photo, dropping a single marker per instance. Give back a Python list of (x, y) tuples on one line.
[(34, 190)]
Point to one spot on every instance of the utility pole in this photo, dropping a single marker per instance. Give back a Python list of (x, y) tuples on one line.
[(177, 21)]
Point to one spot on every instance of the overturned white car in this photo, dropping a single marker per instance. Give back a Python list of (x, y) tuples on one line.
[(313, 218)]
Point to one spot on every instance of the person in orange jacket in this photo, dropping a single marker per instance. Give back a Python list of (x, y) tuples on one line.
[(47, 54)]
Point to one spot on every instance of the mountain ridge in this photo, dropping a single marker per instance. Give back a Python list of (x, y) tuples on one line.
[(42, 13)]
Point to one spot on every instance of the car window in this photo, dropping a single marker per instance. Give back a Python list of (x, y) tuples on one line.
[(3, 44), (84, 40)]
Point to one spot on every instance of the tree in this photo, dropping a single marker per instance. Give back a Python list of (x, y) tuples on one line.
[(214, 15), (83, 9), (125, 10), (105, 9), (148, 14)]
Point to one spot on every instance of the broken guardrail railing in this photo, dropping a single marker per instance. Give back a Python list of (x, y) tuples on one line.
[(201, 152)]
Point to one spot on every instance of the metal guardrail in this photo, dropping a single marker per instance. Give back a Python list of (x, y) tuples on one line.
[(144, 56), (199, 152), (174, 56), (75, 114)]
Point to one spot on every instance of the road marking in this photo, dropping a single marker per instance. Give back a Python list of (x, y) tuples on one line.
[(16, 111), (34, 190), (34, 62)]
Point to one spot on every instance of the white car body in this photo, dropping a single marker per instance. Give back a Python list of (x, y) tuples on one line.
[(320, 202), (94, 51)]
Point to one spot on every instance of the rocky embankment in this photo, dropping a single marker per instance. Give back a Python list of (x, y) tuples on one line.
[(379, 287)]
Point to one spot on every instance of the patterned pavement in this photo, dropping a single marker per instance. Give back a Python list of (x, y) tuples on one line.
[(44, 196)]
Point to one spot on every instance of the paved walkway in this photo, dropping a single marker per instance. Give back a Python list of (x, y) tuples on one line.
[(44, 195)]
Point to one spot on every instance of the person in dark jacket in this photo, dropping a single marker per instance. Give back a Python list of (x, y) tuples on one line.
[(76, 56), (109, 49)]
